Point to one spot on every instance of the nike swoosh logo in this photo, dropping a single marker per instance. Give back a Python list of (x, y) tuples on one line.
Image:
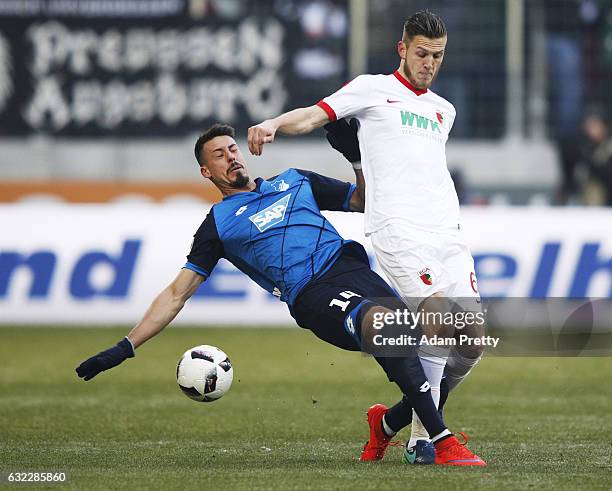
[(391, 102)]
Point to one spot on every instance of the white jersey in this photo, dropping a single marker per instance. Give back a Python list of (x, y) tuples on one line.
[(402, 138)]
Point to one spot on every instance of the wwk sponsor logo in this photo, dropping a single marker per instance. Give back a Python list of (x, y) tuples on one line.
[(414, 120)]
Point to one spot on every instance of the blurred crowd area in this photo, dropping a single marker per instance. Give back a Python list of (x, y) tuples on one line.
[(566, 73), (111, 75)]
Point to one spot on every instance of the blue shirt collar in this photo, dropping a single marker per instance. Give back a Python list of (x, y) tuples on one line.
[(257, 189)]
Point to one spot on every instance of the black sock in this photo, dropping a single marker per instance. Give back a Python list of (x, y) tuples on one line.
[(382, 427), (441, 439), (399, 416), (443, 395), (407, 373)]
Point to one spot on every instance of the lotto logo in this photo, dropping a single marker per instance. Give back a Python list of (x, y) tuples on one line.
[(425, 387), (349, 325), (273, 214)]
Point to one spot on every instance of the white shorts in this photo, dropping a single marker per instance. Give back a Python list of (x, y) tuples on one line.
[(419, 263)]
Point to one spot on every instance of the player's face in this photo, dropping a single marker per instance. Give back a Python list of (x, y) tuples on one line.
[(223, 163), (421, 59)]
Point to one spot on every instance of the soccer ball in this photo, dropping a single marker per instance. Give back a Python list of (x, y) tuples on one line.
[(204, 373)]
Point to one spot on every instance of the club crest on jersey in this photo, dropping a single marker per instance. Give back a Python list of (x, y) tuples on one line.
[(441, 118), (280, 185), (425, 276), (273, 214)]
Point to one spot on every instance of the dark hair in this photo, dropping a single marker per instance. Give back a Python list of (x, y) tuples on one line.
[(424, 23), (217, 129)]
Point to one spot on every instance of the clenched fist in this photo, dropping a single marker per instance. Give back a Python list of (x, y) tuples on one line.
[(259, 135)]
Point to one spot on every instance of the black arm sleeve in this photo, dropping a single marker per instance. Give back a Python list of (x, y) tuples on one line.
[(330, 194), (206, 249)]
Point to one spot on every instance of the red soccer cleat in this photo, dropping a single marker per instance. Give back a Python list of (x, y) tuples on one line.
[(376, 446), (451, 451)]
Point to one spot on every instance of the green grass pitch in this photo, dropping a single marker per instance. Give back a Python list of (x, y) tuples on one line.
[(294, 418)]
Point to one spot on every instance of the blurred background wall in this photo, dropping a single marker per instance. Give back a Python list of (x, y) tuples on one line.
[(102, 99), (101, 102)]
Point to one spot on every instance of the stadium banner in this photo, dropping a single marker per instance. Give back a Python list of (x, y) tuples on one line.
[(104, 264), (145, 68)]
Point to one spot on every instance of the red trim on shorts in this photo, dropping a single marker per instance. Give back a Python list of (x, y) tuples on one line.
[(408, 84), (331, 114)]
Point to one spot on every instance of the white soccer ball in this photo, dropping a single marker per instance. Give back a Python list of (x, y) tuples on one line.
[(204, 373)]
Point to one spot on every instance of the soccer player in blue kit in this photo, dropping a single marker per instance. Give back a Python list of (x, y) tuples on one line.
[(273, 231)]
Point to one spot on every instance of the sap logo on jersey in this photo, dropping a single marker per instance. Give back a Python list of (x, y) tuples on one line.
[(273, 214)]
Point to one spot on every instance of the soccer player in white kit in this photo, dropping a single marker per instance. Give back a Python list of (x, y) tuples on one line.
[(411, 206)]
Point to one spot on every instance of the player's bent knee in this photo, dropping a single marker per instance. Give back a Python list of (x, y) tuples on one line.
[(472, 329), (435, 310), (470, 351), (370, 315)]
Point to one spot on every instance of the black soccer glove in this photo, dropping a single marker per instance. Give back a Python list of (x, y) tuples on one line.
[(106, 359), (342, 136)]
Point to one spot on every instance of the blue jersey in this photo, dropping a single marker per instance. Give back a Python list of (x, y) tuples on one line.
[(275, 234)]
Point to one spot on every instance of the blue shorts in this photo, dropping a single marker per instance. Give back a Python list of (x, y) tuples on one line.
[(332, 305)]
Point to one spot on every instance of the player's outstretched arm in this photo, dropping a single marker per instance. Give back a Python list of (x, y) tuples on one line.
[(166, 306), (161, 312), (296, 122)]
